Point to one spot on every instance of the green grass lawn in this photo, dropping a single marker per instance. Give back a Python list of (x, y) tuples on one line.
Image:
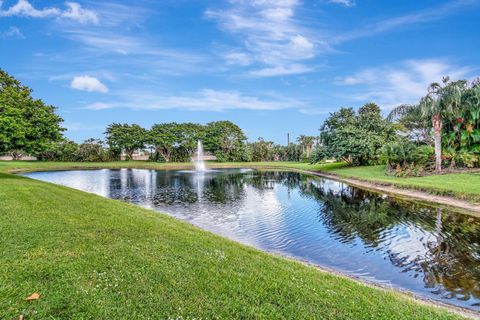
[(39, 165), (95, 258), (460, 185)]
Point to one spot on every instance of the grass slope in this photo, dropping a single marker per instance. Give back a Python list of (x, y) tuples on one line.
[(39, 165), (96, 258), (460, 185)]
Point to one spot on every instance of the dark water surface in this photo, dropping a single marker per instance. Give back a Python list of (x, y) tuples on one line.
[(432, 252)]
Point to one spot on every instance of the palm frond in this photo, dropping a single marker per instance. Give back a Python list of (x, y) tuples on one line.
[(400, 111)]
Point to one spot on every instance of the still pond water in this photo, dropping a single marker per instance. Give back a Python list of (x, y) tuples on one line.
[(432, 252)]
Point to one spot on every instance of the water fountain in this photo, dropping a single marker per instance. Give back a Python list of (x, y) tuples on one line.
[(198, 162)]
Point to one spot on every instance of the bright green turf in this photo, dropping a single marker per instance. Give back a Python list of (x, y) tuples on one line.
[(95, 258), (38, 165), (460, 185)]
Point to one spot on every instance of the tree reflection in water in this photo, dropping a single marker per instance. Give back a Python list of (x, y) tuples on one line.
[(447, 255), (425, 249)]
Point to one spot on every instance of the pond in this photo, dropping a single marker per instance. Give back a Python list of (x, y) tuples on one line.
[(430, 251)]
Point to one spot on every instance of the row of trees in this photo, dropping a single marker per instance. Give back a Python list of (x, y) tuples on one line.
[(94, 150), (30, 127), (443, 128), (177, 141)]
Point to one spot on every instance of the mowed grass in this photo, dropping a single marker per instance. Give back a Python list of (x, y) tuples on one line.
[(94, 258), (44, 165), (459, 185)]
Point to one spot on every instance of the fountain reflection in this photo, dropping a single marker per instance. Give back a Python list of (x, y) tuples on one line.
[(427, 250)]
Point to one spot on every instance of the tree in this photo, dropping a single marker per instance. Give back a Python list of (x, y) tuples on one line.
[(26, 125), (307, 143), (355, 137), (224, 139), (410, 120), (441, 102), (63, 150), (163, 138), (261, 150), (125, 138), (92, 150), (175, 141), (187, 136)]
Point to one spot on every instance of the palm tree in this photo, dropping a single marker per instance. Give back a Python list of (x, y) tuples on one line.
[(307, 143), (439, 103), (410, 118)]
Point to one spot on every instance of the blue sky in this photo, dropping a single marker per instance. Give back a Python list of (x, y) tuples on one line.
[(271, 66)]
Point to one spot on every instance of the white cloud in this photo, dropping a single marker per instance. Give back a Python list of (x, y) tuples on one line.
[(25, 9), (13, 32), (281, 70), (404, 82), (203, 100), (98, 106), (346, 3), (416, 17), (88, 83), (313, 111), (77, 13), (74, 11), (237, 58), (270, 36)]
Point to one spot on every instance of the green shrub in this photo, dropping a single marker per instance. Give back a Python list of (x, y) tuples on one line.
[(406, 159), (221, 156), (64, 150), (466, 159), (304, 158)]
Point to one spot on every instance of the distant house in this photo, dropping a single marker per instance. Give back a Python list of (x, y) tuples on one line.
[(137, 155), (207, 156), (7, 157)]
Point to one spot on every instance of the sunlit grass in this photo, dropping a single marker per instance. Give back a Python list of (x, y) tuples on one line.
[(460, 185), (94, 258)]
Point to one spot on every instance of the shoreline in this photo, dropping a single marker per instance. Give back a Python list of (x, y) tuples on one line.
[(449, 202), (395, 192), (403, 193)]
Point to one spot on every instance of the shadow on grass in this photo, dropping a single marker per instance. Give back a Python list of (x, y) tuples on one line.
[(4, 176)]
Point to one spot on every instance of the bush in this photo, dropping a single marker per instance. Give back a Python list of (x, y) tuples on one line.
[(407, 159), (156, 157), (60, 151), (92, 151), (221, 156), (318, 154), (466, 159), (305, 158)]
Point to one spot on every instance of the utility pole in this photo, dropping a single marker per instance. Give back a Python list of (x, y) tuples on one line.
[(288, 138)]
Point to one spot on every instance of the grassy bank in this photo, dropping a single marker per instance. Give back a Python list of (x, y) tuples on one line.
[(459, 185), (94, 258), (38, 165)]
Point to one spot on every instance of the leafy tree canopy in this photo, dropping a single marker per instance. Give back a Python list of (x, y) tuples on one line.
[(125, 138), (355, 137), (175, 141), (225, 139), (27, 125)]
